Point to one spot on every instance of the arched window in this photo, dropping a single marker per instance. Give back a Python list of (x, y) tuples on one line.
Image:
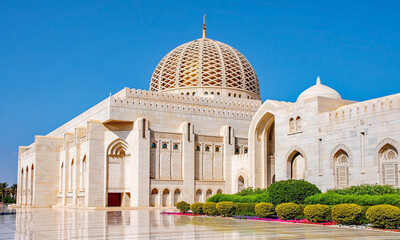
[(219, 191), (341, 169), (177, 196), (166, 198), (193, 94), (388, 157), (208, 194), (212, 93), (154, 198), (291, 125), (198, 197), (298, 123), (205, 93)]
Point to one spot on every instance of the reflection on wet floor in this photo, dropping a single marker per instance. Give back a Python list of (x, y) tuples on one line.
[(150, 224)]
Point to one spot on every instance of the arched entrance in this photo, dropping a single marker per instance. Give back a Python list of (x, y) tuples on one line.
[(262, 141), (165, 198), (296, 165), (116, 158)]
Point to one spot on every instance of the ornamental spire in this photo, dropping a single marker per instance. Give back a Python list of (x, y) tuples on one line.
[(318, 80), (204, 26)]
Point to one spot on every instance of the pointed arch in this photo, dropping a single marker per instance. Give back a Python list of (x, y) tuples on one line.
[(381, 144), (296, 163), (117, 148), (336, 150), (387, 156)]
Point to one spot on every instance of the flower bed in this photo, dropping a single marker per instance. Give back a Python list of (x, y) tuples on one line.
[(284, 221)]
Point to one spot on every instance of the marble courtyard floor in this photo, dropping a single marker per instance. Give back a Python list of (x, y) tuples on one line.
[(150, 224)]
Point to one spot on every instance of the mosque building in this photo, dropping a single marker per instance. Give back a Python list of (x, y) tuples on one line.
[(202, 129)]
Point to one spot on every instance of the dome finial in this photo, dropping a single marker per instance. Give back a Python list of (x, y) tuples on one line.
[(204, 26), (318, 80)]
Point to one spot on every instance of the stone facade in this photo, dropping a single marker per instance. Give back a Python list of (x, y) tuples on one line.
[(208, 134)]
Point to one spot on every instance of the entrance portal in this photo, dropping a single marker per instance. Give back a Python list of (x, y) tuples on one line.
[(114, 199)]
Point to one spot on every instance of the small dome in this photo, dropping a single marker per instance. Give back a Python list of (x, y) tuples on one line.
[(204, 67), (319, 90)]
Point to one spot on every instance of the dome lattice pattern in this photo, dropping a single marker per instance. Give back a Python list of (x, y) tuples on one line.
[(204, 63)]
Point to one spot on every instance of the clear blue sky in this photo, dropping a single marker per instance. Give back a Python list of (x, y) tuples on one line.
[(59, 58)]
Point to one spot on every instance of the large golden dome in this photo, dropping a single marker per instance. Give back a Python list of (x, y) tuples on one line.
[(206, 67)]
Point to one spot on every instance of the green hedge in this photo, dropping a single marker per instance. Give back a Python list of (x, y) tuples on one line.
[(245, 209), (366, 189), (347, 214), (197, 208), (384, 216), (291, 190), (210, 208), (264, 210), (183, 206), (332, 198), (226, 208), (288, 211), (239, 199), (317, 213)]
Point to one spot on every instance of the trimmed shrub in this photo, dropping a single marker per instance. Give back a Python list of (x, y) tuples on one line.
[(317, 213), (264, 210), (239, 199), (366, 189), (183, 206), (226, 208), (384, 216), (347, 214), (251, 191), (197, 208), (287, 211), (291, 190), (245, 209), (210, 208), (332, 198)]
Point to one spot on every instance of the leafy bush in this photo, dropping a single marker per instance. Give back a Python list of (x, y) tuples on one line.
[(332, 198), (226, 208), (251, 191), (210, 208), (183, 206), (197, 208), (317, 213), (239, 199), (287, 211), (295, 191), (366, 189), (347, 214), (384, 216), (264, 210), (245, 208)]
